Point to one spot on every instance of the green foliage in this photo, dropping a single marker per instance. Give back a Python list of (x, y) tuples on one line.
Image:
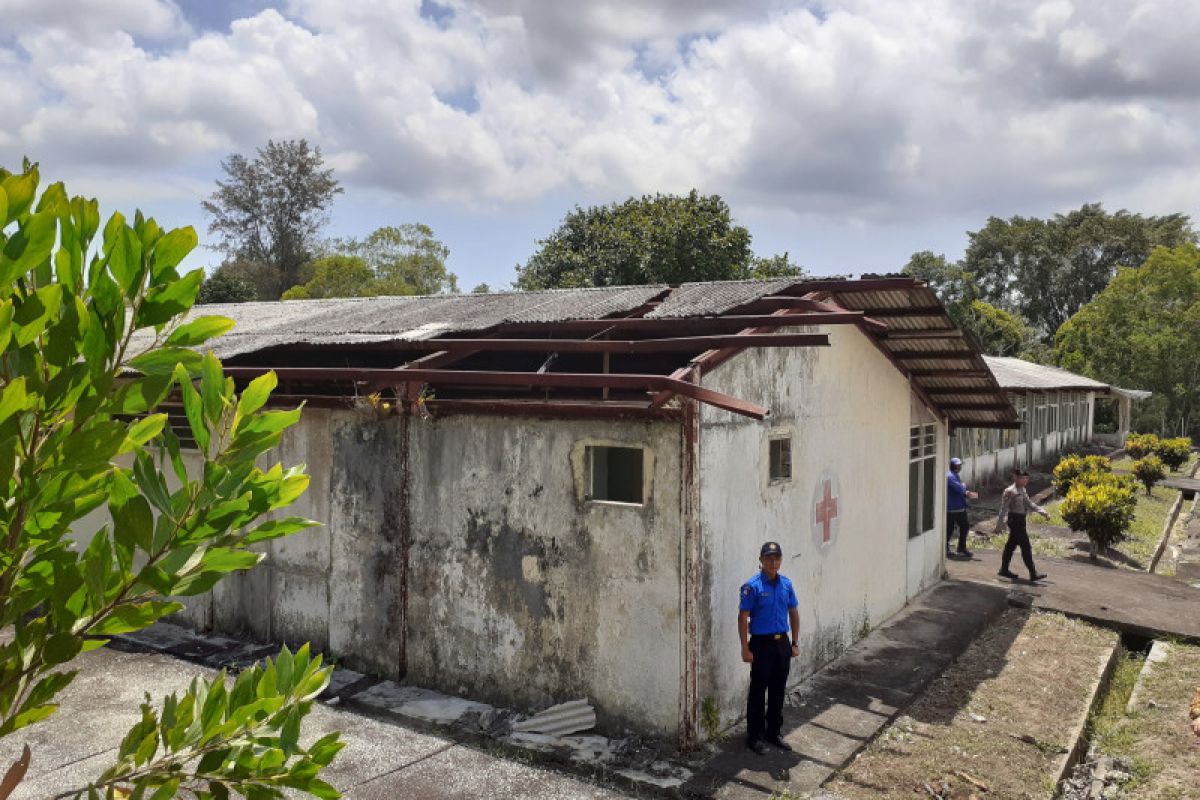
[(1102, 506), (1072, 469), (334, 276), (1174, 452), (648, 239), (92, 339), (1143, 331), (1140, 445), (999, 332), (216, 738), (1047, 269), (270, 210), (1149, 471), (482, 288), (226, 286)]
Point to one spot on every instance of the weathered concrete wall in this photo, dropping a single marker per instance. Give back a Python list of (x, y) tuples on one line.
[(847, 409), (336, 586), (522, 592)]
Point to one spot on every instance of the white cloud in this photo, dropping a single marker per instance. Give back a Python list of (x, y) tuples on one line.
[(863, 109)]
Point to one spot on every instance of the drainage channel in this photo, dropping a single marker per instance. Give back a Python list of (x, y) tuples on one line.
[(1090, 771)]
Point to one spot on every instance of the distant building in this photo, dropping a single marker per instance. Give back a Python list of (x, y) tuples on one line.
[(533, 497), (1056, 408)]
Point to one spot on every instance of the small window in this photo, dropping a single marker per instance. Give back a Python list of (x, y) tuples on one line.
[(615, 473), (781, 458)]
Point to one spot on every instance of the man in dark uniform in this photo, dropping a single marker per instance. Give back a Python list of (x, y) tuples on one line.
[(767, 611)]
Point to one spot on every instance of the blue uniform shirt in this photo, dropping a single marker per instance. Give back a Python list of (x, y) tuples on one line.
[(956, 492), (768, 603)]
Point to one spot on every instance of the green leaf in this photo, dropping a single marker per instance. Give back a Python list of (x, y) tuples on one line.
[(167, 790), (212, 385), (29, 247), (133, 521), (172, 248), (20, 190), (193, 408), (146, 428), (163, 303), (151, 482), (61, 648), (136, 396), (162, 360), (14, 399), (126, 618), (273, 529), (125, 261), (256, 394), (198, 331), (6, 320), (34, 313)]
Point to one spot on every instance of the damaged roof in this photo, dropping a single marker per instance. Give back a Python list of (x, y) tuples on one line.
[(651, 327)]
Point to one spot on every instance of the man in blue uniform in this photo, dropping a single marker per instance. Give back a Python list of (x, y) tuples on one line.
[(767, 611), (957, 496)]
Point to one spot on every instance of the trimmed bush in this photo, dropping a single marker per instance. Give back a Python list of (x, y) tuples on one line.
[(1140, 445), (1149, 471), (1075, 468), (1103, 509), (1174, 452)]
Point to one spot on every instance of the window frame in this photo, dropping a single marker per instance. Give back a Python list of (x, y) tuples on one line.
[(922, 499)]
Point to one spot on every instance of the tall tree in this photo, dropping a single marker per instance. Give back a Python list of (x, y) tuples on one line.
[(1047, 269), (92, 339), (648, 239), (227, 285), (406, 259), (271, 209), (1143, 331), (335, 276)]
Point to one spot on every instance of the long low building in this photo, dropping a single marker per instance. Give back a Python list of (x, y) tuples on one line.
[(1057, 411)]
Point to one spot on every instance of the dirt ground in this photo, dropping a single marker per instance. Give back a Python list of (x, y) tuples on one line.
[(1002, 716), (1155, 734)]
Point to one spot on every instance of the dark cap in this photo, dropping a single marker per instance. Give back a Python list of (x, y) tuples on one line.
[(1021, 472), (770, 549)]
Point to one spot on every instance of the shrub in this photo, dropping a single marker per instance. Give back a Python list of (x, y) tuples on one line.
[(1102, 508), (1149, 471), (1075, 468), (1140, 445), (1174, 452)]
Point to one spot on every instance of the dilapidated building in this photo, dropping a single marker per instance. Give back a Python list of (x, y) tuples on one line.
[(531, 497)]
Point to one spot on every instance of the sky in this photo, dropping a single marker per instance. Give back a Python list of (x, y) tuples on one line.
[(849, 133)]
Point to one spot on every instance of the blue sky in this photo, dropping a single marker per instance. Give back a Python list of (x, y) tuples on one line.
[(849, 133)]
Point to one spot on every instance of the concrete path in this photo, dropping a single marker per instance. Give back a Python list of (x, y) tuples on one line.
[(381, 761), (1135, 602), (836, 712)]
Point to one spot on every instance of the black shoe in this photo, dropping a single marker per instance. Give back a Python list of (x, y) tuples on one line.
[(964, 552), (775, 741), (1004, 573), (757, 747), (1037, 576)]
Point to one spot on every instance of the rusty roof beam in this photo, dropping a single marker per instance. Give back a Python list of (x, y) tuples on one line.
[(977, 406), (943, 392), (851, 285), (931, 311), (733, 322), (541, 409), (950, 373), (929, 333), (380, 378)]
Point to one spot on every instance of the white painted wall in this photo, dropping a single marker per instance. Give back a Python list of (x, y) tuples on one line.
[(849, 408)]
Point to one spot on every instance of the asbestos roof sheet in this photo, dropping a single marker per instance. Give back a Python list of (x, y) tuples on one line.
[(1017, 373), (717, 297)]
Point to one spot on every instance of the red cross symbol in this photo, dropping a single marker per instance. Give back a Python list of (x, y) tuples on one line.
[(826, 511)]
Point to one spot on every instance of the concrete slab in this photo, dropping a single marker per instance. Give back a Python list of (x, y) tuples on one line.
[(1135, 602), (380, 760)]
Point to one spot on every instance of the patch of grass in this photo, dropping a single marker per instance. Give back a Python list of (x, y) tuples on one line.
[(1004, 714), (1104, 729), (1155, 735)]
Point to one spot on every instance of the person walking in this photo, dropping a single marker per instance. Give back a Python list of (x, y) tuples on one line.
[(957, 496), (768, 609), (1015, 506)]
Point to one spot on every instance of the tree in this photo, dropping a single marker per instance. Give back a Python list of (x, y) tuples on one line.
[(271, 210), (89, 348), (1143, 331), (1174, 452), (1047, 269), (482, 288), (1072, 469), (335, 276), (226, 286), (1102, 505), (999, 332), (953, 287), (648, 239), (406, 259)]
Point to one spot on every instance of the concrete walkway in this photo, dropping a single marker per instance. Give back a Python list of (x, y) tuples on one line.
[(1134, 602), (836, 712), (381, 761)]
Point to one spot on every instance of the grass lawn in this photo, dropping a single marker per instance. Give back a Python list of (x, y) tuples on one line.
[(1003, 714), (1155, 735)]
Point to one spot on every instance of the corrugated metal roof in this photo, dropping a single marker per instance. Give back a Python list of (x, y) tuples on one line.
[(1017, 373), (717, 297)]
